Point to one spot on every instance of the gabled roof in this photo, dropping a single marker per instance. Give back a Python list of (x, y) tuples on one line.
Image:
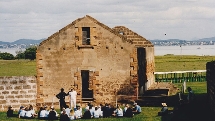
[(115, 30)]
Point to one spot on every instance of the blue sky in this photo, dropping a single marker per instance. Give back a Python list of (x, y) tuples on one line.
[(152, 19)]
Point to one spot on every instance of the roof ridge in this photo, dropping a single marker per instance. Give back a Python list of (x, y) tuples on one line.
[(109, 29)]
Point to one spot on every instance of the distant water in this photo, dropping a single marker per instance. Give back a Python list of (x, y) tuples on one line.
[(11, 50), (161, 50), (200, 50)]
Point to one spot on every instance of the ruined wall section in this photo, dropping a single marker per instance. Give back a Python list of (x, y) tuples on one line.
[(210, 77), (140, 41), (17, 91), (61, 59), (150, 67)]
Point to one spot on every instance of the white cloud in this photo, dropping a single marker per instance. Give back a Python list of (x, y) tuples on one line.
[(36, 19)]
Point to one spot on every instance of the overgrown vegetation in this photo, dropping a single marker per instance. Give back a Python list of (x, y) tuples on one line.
[(29, 53)]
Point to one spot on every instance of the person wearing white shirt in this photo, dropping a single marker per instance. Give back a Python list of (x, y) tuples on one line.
[(118, 112), (96, 113), (28, 114), (78, 113), (72, 95), (22, 112), (44, 114)]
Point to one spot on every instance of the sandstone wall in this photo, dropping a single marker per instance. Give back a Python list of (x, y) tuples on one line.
[(16, 91), (110, 58), (210, 77)]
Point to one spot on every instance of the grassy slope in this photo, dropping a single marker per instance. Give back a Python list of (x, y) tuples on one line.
[(17, 68)]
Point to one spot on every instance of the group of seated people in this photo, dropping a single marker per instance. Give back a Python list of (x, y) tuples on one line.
[(67, 114)]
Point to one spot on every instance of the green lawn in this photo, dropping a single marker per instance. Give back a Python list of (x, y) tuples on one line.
[(17, 68)]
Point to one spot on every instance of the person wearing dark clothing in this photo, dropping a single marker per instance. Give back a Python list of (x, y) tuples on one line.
[(106, 111), (61, 97), (10, 112), (52, 115), (128, 111), (64, 116), (87, 114)]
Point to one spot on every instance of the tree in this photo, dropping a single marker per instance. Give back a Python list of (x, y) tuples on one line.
[(30, 53), (20, 54), (6, 56)]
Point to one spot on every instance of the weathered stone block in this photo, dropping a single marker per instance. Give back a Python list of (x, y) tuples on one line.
[(1, 97), (22, 81), (9, 96), (10, 87), (13, 82), (4, 82), (26, 86), (18, 87), (1, 87), (24, 101), (31, 91), (22, 92), (33, 101), (3, 101), (32, 81), (14, 101), (19, 96), (14, 92), (28, 96), (5, 92)]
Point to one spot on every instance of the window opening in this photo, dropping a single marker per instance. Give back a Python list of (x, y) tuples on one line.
[(85, 35)]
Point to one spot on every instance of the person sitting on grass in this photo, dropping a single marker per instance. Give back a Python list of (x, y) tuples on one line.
[(78, 113), (52, 114), (118, 112), (10, 112), (96, 113), (22, 112), (87, 114), (64, 116), (128, 111), (137, 109), (28, 114)]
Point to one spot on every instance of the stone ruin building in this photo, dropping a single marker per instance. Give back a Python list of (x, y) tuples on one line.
[(100, 62)]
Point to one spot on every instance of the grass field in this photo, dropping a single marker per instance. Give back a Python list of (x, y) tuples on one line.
[(162, 63), (181, 63)]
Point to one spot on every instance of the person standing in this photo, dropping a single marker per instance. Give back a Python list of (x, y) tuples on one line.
[(61, 97), (72, 95)]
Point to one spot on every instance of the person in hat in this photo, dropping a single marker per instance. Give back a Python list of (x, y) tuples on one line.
[(72, 94), (164, 110), (137, 109), (61, 97)]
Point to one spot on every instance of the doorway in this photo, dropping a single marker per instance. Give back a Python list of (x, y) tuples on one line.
[(86, 93), (141, 59)]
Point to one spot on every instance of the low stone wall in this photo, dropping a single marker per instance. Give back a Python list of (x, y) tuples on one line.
[(16, 91), (210, 77)]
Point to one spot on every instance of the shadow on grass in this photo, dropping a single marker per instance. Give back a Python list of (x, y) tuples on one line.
[(196, 111)]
